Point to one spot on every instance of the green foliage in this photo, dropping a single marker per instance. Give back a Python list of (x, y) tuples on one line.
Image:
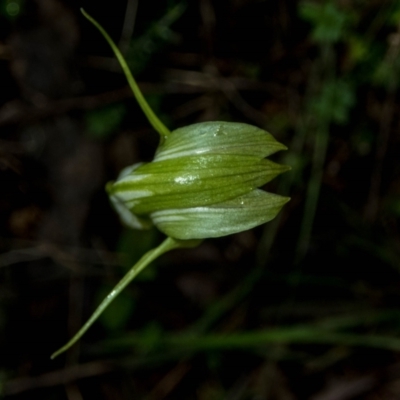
[(100, 123), (158, 34), (334, 102), (151, 336), (394, 15), (327, 20), (362, 141), (11, 9), (387, 72), (359, 48)]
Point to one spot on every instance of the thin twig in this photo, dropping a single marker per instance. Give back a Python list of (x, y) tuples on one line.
[(129, 25), (55, 378)]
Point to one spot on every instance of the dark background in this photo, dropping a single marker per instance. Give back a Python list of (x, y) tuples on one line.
[(305, 307)]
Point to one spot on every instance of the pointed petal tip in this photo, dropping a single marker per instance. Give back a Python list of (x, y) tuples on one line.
[(287, 168)]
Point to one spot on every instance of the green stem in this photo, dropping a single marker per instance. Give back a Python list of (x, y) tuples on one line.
[(319, 156), (313, 189), (167, 245), (189, 342), (153, 119), (256, 339)]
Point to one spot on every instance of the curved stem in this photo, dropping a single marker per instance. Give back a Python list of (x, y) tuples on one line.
[(153, 119), (167, 245)]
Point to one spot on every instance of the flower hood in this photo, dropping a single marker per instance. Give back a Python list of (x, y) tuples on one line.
[(203, 182)]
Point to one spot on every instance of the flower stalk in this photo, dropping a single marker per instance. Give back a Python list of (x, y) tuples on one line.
[(153, 119), (167, 245)]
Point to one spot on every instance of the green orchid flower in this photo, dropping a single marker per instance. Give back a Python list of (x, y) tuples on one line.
[(203, 182)]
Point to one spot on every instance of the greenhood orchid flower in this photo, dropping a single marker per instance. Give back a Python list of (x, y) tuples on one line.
[(202, 183)]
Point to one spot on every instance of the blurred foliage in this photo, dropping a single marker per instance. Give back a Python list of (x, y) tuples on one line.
[(11, 9), (156, 36), (334, 101), (327, 20), (103, 122)]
